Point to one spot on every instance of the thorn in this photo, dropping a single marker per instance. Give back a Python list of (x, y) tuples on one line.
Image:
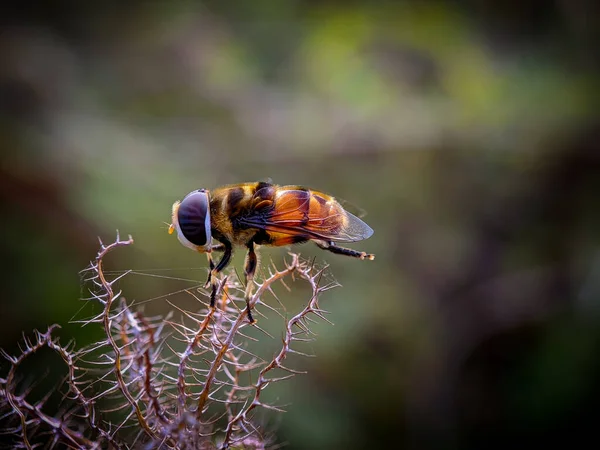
[(275, 380), (299, 372), (264, 405), (260, 329), (308, 355)]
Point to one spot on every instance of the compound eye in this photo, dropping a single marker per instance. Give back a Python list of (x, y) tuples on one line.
[(194, 218)]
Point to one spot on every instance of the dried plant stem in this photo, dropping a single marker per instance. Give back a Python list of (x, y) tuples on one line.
[(233, 331), (107, 329), (277, 361), (22, 406), (181, 386), (133, 390), (88, 406)]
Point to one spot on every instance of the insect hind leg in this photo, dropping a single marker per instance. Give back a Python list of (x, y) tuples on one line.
[(331, 247)]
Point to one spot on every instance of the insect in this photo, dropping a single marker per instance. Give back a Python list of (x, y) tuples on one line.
[(261, 213)]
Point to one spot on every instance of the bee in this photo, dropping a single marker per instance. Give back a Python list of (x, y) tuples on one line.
[(260, 213)]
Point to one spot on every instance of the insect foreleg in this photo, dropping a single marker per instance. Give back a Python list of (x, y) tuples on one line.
[(249, 271), (211, 267), (330, 246), (214, 271)]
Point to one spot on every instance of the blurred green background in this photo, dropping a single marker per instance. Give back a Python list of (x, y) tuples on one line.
[(467, 130)]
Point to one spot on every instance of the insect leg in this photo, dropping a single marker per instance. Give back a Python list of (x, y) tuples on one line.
[(212, 275), (330, 246), (249, 271), (217, 248), (211, 267)]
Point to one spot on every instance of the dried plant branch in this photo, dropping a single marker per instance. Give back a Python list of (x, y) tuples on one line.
[(161, 382), (110, 297), (27, 411), (216, 364), (276, 363)]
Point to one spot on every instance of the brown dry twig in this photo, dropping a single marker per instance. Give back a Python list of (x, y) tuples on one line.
[(160, 382)]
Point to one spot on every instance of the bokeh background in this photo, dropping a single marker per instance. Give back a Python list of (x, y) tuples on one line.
[(467, 130)]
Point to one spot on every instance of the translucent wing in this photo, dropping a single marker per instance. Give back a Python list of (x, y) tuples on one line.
[(297, 212)]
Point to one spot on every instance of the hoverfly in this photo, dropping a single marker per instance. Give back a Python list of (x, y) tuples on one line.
[(261, 213)]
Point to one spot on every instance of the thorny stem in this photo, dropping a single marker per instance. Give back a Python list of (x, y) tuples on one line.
[(19, 404), (277, 361), (234, 359), (216, 364), (167, 411), (186, 356), (148, 368), (107, 325), (87, 405)]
